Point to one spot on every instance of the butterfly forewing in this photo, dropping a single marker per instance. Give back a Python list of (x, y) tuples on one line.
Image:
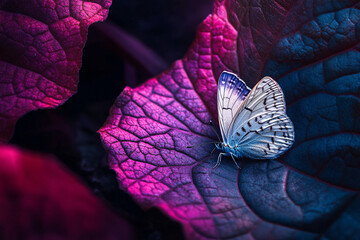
[(231, 93)]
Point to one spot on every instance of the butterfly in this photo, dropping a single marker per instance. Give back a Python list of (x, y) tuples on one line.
[(254, 123)]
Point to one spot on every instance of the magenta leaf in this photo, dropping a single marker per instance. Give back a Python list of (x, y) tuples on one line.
[(40, 199), (312, 49), (41, 46)]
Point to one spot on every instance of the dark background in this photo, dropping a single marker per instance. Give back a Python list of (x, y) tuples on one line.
[(69, 131)]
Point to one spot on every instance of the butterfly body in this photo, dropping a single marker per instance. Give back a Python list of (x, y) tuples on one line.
[(254, 123), (229, 150)]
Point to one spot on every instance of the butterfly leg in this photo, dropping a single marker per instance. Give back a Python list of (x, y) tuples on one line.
[(218, 160), (232, 156), (212, 151)]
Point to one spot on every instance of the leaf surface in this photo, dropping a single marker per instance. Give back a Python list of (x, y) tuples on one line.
[(40, 199), (312, 49), (41, 46)]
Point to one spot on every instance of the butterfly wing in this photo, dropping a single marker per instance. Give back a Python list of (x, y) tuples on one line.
[(266, 136), (231, 93), (261, 129)]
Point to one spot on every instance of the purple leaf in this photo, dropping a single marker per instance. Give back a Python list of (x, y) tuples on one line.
[(40, 199), (312, 49), (41, 46)]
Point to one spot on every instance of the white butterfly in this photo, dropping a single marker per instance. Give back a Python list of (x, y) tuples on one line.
[(252, 123)]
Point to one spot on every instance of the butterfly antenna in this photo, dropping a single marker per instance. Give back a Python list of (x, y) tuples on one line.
[(217, 135), (213, 128), (200, 144)]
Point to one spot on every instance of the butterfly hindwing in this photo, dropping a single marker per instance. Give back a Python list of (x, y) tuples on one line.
[(266, 96), (261, 129), (265, 136), (231, 93)]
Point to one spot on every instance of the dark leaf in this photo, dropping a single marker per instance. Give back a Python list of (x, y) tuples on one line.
[(41, 200), (131, 48)]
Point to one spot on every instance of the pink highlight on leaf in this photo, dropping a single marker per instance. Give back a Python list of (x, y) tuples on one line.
[(41, 46), (213, 51), (40, 199)]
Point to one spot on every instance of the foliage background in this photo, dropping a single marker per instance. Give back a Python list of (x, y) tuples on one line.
[(69, 131)]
